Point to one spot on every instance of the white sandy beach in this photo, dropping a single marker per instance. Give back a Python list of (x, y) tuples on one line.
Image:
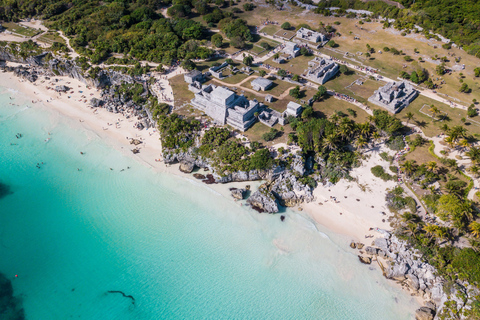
[(347, 216)]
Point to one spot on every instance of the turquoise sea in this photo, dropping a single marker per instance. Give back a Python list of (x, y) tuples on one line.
[(180, 249)]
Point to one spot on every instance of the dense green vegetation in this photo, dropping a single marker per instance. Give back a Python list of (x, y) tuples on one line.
[(131, 27)]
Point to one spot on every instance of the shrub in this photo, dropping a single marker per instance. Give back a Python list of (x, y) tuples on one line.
[(385, 156), (286, 26), (271, 135), (396, 143), (379, 172)]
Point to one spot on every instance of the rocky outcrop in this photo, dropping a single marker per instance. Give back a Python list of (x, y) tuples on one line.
[(238, 193), (424, 313), (298, 165), (186, 167), (10, 307), (263, 200), (365, 260), (406, 266), (4, 190), (289, 191), (171, 157)]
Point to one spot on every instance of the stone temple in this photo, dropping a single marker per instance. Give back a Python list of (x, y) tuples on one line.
[(394, 96), (320, 70), (224, 106)]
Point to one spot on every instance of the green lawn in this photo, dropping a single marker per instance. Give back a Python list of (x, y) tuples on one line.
[(330, 105), (430, 126), (296, 65), (21, 30), (180, 90), (270, 29), (50, 37)]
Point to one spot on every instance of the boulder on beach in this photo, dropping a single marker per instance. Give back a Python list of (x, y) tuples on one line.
[(186, 167), (424, 313), (95, 103), (353, 245), (238, 193), (360, 245), (365, 260), (371, 250), (263, 200), (199, 176), (135, 142)]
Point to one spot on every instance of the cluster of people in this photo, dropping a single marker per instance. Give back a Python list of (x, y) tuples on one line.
[(345, 97)]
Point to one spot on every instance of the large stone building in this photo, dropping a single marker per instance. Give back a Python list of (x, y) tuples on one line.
[(193, 76), (311, 36), (394, 96), (261, 84), (320, 70), (291, 49), (224, 106)]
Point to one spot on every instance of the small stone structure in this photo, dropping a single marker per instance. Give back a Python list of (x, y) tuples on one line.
[(293, 109), (261, 84), (193, 76), (320, 70), (224, 106), (270, 117), (311, 36), (268, 98), (291, 49), (216, 71), (394, 96)]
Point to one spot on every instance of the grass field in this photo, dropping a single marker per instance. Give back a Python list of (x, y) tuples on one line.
[(270, 29), (345, 84), (430, 126), (21, 30), (180, 90), (50, 37), (296, 65), (330, 105)]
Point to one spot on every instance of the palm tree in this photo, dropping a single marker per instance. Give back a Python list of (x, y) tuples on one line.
[(329, 142), (457, 132), (409, 116), (410, 229), (474, 227), (371, 119), (449, 140), (334, 118), (430, 229), (432, 189), (474, 154), (408, 167), (360, 142), (464, 144), (410, 217), (475, 170), (444, 127), (442, 233), (364, 129), (431, 166), (434, 110), (376, 136)]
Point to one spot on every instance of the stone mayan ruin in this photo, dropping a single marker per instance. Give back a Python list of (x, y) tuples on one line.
[(320, 70), (394, 96)]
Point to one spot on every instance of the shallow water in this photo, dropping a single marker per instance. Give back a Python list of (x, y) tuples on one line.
[(73, 229)]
